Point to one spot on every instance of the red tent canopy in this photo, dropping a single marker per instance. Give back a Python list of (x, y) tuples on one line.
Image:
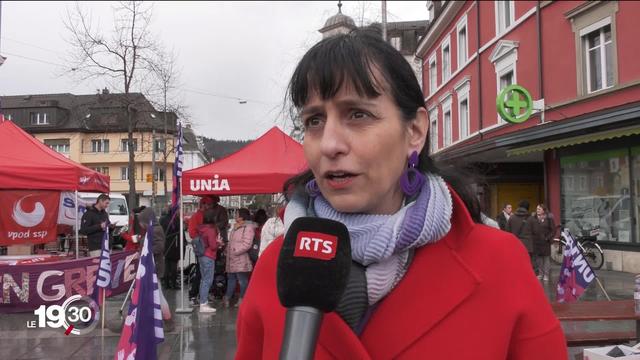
[(26, 164), (261, 167)]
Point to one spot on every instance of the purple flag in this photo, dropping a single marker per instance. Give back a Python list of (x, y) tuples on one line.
[(104, 269), (177, 178), (143, 326), (575, 272)]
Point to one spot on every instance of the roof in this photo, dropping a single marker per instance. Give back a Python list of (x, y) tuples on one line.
[(26, 163), (418, 25), (86, 113)]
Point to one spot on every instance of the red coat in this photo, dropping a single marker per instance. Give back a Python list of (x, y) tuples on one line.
[(472, 295)]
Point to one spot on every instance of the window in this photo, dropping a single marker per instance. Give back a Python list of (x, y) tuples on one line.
[(446, 59), (463, 45), (124, 145), (464, 118), (505, 57), (433, 130), (58, 145), (504, 15), (160, 174), (588, 202), (124, 173), (433, 74), (506, 79), (446, 120), (598, 47), (396, 43), (100, 145), (159, 145), (101, 169), (38, 118), (595, 32), (447, 128), (462, 90)]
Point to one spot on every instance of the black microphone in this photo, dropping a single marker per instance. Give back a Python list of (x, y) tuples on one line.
[(313, 270)]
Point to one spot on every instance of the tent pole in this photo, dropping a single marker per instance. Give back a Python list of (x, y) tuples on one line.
[(182, 309), (77, 228)]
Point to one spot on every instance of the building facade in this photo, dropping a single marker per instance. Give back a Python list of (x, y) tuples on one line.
[(579, 153), (92, 130)]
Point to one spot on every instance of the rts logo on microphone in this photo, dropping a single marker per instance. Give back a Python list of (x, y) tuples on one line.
[(316, 245)]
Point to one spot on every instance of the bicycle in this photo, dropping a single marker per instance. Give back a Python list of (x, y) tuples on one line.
[(591, 250)]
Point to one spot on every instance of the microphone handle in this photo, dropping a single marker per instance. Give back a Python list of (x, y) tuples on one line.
[(301, 329)]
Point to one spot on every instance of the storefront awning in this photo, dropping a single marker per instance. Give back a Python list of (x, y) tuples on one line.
[(603, 135)]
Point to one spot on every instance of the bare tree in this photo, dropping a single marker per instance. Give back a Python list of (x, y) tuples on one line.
[(167, 79), (120, 57)]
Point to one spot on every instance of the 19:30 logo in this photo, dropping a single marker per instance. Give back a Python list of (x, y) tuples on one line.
[(78, 315)]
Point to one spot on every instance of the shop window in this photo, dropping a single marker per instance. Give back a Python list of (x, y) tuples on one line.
[(598, 195)]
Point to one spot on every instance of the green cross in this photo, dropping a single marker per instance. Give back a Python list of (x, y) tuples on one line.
[(515, 104), (511, 101)]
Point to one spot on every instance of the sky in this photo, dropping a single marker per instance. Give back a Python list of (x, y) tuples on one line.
[(225, 51)]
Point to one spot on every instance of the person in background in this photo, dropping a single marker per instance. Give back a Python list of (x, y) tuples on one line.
[(206, 203), (94, 222), (504, 216), (222, 218), (171, 228), (424, 267), (134, 234), (273, 228), (238, 262), (259, 218), (542, 231), (208, 233), (519, 226)]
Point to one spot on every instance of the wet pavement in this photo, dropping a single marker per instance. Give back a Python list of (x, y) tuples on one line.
[(199, 336)]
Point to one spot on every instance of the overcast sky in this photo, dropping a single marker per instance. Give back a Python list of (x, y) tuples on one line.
[(235, 49)]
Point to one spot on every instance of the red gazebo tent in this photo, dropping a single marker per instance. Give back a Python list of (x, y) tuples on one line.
[(28, 164), (261, 167)]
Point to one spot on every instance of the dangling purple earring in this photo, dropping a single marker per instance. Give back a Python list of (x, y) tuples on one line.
[(412, 180), (312, 188)]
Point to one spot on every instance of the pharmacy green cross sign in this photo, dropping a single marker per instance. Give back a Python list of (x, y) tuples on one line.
[(514, 104)]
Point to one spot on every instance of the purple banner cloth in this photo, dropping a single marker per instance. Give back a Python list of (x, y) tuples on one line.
[(26, 287)]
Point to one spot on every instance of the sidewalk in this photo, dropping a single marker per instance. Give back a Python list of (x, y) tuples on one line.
[(213, 336)]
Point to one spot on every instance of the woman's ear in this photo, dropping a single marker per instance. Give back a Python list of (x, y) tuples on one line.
[(418, 130)]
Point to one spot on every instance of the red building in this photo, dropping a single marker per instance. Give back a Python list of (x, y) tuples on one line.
[(580, 153)]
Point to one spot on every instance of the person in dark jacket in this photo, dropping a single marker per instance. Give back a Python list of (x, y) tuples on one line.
[(94, 222), (146, 217), (172, 248), (519, 226), (503, 217), (542, 231)]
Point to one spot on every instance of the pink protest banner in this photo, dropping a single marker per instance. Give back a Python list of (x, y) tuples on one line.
[(27, 286)]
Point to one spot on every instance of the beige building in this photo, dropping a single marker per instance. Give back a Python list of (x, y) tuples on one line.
[(92, 130)]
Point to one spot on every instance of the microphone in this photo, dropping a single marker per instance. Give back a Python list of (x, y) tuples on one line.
[(313, 271)]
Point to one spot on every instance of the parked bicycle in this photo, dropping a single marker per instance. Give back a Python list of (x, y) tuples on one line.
[(587, 244)]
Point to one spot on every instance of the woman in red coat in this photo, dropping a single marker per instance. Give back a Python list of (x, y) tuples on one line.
[(429, 281)]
